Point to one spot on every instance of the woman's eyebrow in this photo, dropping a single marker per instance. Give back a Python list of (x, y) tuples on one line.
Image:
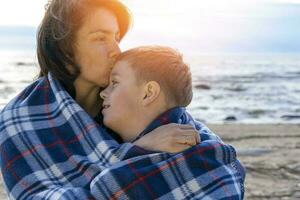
[(106, 32)]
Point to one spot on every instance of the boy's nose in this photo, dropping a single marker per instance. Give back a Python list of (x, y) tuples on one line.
[(103, 94)]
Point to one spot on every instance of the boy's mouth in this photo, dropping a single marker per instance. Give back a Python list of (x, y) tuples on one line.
[(105, 106)]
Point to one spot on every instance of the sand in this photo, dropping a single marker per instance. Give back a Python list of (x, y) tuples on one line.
[(271, 155)]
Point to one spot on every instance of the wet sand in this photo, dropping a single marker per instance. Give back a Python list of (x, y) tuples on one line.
[(271, 155)]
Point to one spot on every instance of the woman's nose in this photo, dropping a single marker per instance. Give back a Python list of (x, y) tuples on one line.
[(115, 51)]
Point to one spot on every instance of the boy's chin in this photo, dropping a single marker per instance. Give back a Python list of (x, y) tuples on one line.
[(108, 123), (105, 121)]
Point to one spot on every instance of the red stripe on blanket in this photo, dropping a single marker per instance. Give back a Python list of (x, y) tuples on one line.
[(117, 194)]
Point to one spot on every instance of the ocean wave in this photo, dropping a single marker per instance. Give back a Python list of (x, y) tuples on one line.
[(248, 90), (20, 63)]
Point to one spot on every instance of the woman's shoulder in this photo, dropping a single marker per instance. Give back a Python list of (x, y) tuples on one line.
[(31, 93), (16, 110)]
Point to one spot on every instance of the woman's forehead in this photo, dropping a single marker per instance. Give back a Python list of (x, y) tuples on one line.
[(101, 19)]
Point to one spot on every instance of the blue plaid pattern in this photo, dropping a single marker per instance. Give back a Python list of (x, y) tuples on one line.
[(209, 170), (52, 149)]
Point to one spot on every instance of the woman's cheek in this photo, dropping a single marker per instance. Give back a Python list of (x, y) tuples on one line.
[(103, 49)]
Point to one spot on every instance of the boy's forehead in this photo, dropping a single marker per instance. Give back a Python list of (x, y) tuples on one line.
[(120, 67), (122, 63)]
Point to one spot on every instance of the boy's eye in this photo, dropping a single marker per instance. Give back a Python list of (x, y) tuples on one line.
[(114, 83)]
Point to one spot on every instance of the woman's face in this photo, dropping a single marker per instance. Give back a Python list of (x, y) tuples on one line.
[(96, 46)]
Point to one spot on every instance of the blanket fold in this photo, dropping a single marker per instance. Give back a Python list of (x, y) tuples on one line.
[(50, 148)]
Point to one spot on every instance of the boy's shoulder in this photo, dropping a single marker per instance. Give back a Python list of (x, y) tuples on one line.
[(204, 131)]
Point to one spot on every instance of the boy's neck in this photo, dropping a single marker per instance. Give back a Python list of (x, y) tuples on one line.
[(172, 115), (146, 117)]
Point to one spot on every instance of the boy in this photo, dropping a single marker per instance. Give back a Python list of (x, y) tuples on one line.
[(146, 83), (149, 87)]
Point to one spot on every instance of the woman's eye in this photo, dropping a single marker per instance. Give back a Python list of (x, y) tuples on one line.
[(101, 39)]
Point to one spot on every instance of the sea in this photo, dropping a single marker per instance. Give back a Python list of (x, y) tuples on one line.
[(257, 88)]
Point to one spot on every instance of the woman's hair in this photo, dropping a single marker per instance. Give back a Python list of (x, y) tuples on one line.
[(56, 33), (164, 65)]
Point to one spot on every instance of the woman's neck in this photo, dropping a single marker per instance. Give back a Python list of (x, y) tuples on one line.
[(87, 96)]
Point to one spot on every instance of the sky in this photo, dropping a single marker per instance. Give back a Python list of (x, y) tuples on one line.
[(195, 25)]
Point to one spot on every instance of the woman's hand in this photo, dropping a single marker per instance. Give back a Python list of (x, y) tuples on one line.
[(171, 138)]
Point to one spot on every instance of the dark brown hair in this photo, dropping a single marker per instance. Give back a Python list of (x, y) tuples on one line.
[(55, 38), (165, 66)]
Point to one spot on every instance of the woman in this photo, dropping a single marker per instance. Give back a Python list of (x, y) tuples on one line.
[(52, 140), (80, 50)]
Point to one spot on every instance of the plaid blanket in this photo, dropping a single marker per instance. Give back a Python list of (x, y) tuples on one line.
[(209, 170), (52, 149)]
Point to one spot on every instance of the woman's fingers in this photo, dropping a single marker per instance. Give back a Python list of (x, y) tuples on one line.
[(187, 134), (188, 138), (186, 126), (170, 138), (184, 134), (180, 126), (181, 147), (198, 138)]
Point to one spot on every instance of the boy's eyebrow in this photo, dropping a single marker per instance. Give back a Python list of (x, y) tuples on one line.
[(114, 74)]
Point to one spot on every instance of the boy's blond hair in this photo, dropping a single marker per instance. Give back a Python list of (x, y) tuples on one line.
[(165, 66)]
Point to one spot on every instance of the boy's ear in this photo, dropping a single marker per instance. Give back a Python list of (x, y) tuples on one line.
[(151, 92)]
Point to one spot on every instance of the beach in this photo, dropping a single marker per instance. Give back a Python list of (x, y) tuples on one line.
[(244, 58), (250, 99), (270, 154)]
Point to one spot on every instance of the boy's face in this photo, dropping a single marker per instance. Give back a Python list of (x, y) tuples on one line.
[(121, 98)]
